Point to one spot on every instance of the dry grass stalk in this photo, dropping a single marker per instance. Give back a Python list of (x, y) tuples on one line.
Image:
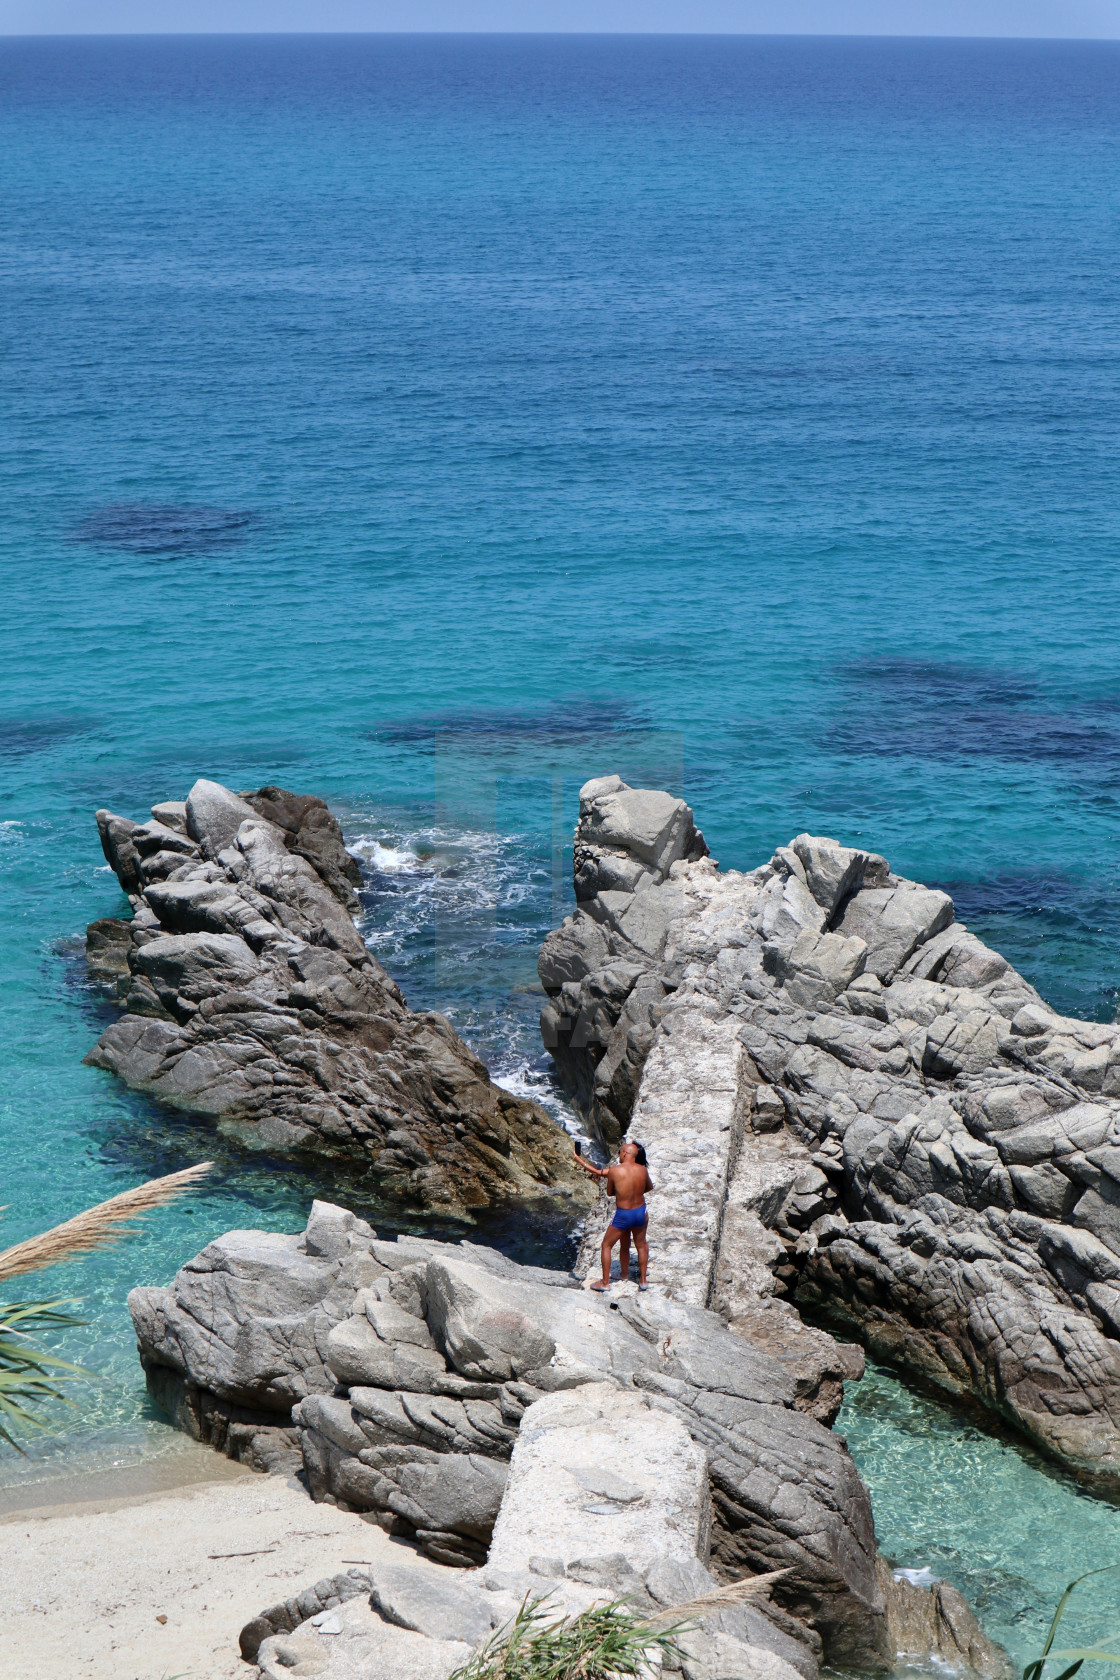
[(720, 1598), (97, 1227)]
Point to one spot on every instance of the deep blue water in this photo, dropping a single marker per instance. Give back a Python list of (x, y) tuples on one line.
[(434, 423)]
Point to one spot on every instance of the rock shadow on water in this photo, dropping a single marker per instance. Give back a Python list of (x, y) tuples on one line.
[(938, 710), (164, 530)]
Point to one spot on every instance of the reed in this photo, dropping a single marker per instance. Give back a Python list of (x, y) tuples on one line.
[(30, 1378), (720, 1598), (1092, 1653), (607, 1642), (97, 1227)]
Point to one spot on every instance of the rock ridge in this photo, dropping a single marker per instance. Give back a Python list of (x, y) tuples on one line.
[(250, 997), (510, 1424), (863, 1111)]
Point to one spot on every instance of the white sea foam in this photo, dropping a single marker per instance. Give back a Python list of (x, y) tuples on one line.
[(390, 860), (923, 1577), (457, 915)]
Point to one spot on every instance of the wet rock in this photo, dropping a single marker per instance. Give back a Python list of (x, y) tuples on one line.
[(107, 947)]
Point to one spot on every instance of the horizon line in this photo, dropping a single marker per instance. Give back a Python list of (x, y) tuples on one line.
[(541, 34)]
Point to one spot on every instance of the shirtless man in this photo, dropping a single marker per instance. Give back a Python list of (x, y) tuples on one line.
[(628, 1183)]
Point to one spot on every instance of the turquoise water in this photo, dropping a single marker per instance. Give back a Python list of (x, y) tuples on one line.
[(955, 1501), (436, 423)]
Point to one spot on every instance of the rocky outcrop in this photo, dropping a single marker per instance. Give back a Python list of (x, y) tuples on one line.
[(855, 1105), (250, 997), (504, 1419)]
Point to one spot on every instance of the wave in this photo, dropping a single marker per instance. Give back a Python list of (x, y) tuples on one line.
[(457, 915)]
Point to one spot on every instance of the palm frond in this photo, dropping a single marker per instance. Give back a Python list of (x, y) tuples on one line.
[(97, 1227), (30, 1378)]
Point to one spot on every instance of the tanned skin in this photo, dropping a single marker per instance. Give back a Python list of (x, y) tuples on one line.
[(628, 1183)]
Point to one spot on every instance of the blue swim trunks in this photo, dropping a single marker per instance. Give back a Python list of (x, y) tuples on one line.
[(629, 1219)]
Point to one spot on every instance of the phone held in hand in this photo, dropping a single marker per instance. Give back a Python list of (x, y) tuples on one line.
[(579, 1147)]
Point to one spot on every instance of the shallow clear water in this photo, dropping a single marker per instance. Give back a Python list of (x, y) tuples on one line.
[(957, 1501), (435, 423)]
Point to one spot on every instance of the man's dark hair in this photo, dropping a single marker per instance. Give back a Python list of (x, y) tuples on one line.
[(642, 1162)]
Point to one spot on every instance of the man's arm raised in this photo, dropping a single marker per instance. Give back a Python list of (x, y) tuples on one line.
[(596, 1172)]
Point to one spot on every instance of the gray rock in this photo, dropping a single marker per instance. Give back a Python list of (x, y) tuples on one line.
[(628, 838), (291, 1613), (120, 852), (214, 815), (832, 872), (480, 1328), (311, 832), (894, 921), (862, 1109), (251, 999), (432, 1602), (639, 1438), (354, 1642), (171, 813), (108, 943)]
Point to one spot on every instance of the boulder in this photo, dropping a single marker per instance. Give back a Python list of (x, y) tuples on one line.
[(311, 832), (595, 1471), (251, 999), (214, 815), (499, 1416), (629, 838)]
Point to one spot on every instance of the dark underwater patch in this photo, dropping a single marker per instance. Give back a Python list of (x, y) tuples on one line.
[(1042, 894), (23, 737), (143, 529), (555, 724), (927, 709), (1061, 931)]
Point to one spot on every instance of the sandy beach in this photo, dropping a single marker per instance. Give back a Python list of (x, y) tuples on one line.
[(156, 1585)]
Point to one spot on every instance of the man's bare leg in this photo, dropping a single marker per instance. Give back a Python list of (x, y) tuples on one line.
[(609, 1241), (642, 1247)]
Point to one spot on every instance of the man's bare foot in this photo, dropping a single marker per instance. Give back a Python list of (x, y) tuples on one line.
[(599, 1287)]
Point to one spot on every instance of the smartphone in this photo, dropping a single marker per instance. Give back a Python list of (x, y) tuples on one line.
[(579, 1147)]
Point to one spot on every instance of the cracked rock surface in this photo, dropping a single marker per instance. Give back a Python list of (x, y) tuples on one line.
[(854, 1105), (503, 1419), (250, 997)]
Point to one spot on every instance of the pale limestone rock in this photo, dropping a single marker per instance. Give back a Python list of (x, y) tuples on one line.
[(596, 1470)]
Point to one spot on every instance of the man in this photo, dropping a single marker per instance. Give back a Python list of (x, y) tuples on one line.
[(628, 1182)]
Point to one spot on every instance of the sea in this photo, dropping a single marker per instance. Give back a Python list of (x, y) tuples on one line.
[(433, 423)]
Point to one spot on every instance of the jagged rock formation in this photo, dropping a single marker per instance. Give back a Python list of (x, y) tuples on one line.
[(859, 1106), (250, 997), (407, 1374)]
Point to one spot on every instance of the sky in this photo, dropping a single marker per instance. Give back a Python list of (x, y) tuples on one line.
[(1076, 19)]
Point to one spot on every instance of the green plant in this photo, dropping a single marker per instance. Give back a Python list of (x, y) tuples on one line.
[(1091, 1653), (603, 1643), (31, 1378)]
